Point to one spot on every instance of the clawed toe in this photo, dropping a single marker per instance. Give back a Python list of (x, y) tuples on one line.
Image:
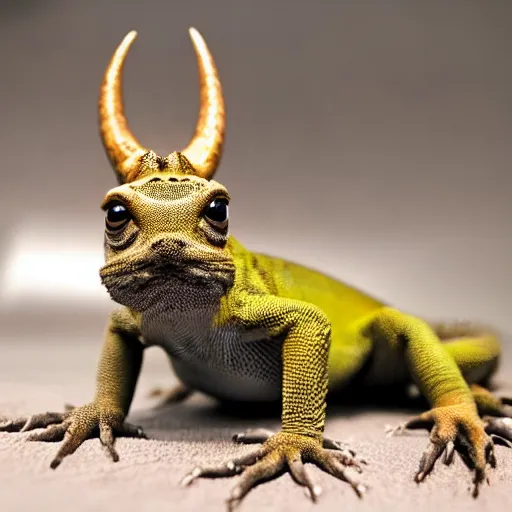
[(332, 465), (501, 441), (230, 468), (500, 430), (130, 430), (428, 460), (267, 468), (51, 434), (12, 425), (449, 453), (348, 459), (253, 436), (422, 421), (301, 477), (27, 423)]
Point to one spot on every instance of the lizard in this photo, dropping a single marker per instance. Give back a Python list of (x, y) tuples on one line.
[(244, 326)]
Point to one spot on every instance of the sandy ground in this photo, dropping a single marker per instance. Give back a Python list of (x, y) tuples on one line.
[(42, 375)]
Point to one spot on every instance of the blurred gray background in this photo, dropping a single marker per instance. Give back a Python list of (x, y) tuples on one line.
[(370, 140)]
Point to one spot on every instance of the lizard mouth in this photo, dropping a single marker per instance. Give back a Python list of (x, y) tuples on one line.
[(144, 280)]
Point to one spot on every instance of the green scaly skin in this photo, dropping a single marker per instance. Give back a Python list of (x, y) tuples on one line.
[(244, 326)]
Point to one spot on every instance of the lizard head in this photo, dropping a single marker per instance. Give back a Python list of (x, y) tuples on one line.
[(166, 224)]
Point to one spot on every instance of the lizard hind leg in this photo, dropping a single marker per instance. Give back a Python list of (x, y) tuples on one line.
[(175, 395), (172, 395)]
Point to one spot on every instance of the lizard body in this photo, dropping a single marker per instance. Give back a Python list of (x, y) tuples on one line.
[(212, 352), (250, 327)]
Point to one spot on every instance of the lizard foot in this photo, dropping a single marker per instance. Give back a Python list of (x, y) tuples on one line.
[(346, 454), (74, 427), (454, 428), (279, 453)]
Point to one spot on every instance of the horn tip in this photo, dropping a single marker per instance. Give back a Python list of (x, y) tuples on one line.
[(195, 34), (131, 35)]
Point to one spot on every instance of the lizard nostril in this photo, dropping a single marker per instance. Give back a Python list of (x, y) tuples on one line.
[(180, 243), (168, 247)]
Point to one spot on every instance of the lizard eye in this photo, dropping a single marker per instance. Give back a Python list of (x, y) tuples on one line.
[(117, 217), (216, 213)]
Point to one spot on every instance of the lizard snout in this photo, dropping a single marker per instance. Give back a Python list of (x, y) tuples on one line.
[(169, 247)]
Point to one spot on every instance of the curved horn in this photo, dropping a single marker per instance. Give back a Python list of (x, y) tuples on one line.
[(205, 149), (122, 148)]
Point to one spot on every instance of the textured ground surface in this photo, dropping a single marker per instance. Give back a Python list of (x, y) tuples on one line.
[(147, 476)]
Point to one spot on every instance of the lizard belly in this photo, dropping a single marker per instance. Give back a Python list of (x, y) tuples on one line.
[(387, 367), (225, 384), (224, 362)]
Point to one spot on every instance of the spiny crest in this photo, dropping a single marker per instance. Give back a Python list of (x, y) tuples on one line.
[(151, 163)]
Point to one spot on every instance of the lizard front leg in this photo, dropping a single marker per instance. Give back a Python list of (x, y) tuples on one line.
[(306, 332), (117, 375)]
